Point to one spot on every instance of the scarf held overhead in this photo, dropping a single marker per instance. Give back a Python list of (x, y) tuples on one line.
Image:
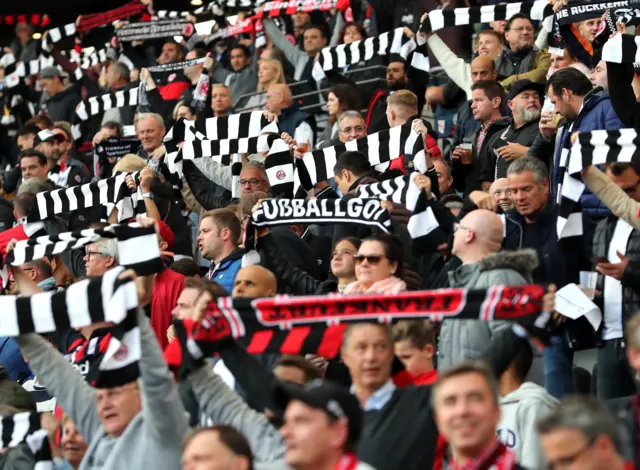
[(315, 324), (104, 299), (273, 212), (155, 30), (624, 12)]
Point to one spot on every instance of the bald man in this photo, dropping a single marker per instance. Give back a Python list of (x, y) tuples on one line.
[(477, 241), (254, 281), (293, 121), (501, 193)]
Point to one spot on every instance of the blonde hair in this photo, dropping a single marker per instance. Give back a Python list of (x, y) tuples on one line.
[(404, 99), (130, 163), (279, 79)]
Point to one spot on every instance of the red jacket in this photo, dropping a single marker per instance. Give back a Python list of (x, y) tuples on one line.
[(166, 290), (19, 232)]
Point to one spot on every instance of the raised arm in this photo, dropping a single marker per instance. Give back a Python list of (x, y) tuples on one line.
[(74, 395), (162, 408)]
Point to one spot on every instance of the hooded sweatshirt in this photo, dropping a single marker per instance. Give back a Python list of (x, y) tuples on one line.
[(521, 409)]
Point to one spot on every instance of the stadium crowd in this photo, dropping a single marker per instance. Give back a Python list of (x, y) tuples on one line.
[(498, 114)]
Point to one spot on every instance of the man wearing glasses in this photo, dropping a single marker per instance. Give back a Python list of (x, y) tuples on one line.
[(66, 170), (100, 257), (580, 434), (520, 58)]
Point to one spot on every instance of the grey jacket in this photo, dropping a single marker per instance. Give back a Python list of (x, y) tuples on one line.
[(462, 340), (240, 83), (222, 405), (154, 436), (296, 57)]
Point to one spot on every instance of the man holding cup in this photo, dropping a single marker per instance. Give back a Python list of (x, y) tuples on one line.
[(486, 104)]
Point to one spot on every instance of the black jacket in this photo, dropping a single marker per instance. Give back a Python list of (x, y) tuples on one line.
[(623, 99), (561, 260), (6, 214), (625, 414), (494, 167), (62, 107), (469, 174), (631, 277), (290, 278)]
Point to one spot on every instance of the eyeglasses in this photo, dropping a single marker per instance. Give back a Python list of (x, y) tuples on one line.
[(457, 227), (566, 462), (348, 130), (251, 182), (373, 260), (89, 253), (524, 29)]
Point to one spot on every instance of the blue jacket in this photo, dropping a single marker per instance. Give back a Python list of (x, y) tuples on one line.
[(596, 114), (224, 273)]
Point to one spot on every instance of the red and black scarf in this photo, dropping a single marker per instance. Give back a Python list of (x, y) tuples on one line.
[(496, 457), (88, 22), (315, 324)]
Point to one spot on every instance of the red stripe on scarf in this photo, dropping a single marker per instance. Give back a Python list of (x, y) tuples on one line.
[(89, 22)]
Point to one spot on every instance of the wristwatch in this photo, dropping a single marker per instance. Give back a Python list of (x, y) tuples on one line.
[(148, 195)]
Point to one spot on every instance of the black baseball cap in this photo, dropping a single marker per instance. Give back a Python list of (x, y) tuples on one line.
[(330, 397), (523, 85), (46, 135)]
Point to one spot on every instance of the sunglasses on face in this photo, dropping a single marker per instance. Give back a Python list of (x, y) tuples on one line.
[(373, 260)]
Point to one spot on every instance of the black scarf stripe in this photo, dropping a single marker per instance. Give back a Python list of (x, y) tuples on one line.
[(597, 147), (446, 18), (380, 152), (110, 190), (20, 427)]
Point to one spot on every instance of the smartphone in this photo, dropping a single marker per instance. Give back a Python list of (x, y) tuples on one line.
[(129, 131)]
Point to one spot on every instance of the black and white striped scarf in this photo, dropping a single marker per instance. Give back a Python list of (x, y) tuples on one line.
[(96, 105), (240, 131), (540, 10), (591, 148), (26, 428), (96, 300), (622, 49), (175, 66), (280, 170), (110, 192), (59, 33), (381, 148), (423, 225), (391, 42), (137, 246), (273, 212)]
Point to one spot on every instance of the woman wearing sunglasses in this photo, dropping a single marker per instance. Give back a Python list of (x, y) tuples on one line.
[(379, 266), (297, 281)]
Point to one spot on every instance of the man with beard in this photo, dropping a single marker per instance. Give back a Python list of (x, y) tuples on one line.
[(48, 143), (515, 141), (397, 79)]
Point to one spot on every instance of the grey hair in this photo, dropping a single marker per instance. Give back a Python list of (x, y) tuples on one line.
[(122, 70), (584, 414), (159, 119), (479, 367), (35, 186), (533, 164), (258, 166), (350, 114), (108, 247)]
